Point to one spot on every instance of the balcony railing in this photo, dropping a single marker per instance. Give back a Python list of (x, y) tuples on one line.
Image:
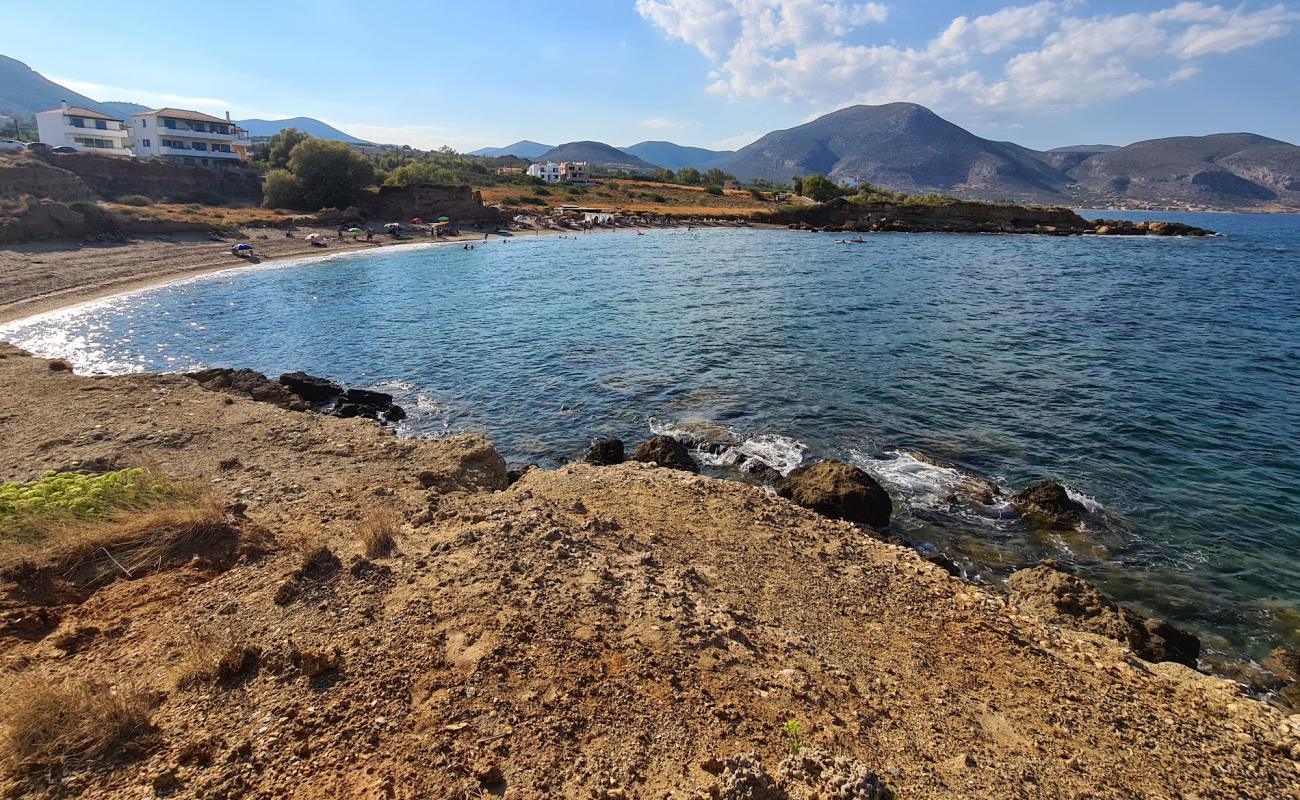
[(233, 134), (192, 153)]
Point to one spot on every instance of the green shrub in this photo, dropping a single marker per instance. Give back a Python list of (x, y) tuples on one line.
[(713, 190), (281, 189), (73, 494), (134, 200)]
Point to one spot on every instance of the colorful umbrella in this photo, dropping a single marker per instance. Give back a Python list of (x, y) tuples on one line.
[(444, 219), (416, 219), (355, 230), (242, 246)]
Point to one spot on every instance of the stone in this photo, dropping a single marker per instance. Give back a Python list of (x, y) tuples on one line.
[(251, 384), (605, 452), (666, 452), (839, 491), (1048, 504), (1050, 592), (311, 388)]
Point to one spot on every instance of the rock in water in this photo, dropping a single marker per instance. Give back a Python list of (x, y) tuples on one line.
[(311, 388), (605, 452), (839, 491), (1052, 593), (1049, 504), (368, 404), (666, 452)]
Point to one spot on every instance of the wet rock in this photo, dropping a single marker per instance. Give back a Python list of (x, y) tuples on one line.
[(839, 491), (605, 452), (368, 404), (1050, 592), (311, 388), (666, 452), (1048, 504), (761, 472), (251, 384), (515, 473)]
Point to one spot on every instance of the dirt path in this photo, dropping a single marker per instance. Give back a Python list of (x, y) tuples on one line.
[(608, 632)]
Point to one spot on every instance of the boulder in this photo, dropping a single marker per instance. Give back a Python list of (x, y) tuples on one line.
[(605, 452), (666, 452), (760, 471), (1048, 504), (311, 388), (249, 383), (368, 404), (1050, 592), (839, 491)]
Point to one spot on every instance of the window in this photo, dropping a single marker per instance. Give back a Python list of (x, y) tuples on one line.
[(78, 122), (101, 125), (145, 143), (197, 126), (170, 124), (144, 123), (200, 146)]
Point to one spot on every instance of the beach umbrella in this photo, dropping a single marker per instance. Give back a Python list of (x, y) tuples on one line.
[(416, 219), (311, 236), (242, 246), (355, 229), (444, 219)]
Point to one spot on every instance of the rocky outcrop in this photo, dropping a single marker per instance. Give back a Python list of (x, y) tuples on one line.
[(605, 452), (666, 452), (1049, 505), (1119, 227), (28, 218), (26, 174), (839, 491), (311, 388), (1050, 592), (111, 177), (368, 404), (249, 383)]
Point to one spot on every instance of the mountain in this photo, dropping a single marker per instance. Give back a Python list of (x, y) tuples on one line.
[(122, 109), (1067, 158), (902, 146), (523, 149), (309, 126), (675, 156), (24, 91), (1224, 170), (598, 154)]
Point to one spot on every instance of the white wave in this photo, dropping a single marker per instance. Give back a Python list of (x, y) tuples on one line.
[(1087, 501), (717, 446), (922, 484)]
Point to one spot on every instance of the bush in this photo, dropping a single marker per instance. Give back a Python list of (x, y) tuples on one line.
[(378, 531), (281, 189), (134, 200), (330, 173), (72, 494), (714, 190)]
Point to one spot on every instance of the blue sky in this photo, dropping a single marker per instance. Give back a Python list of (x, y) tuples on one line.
[(713, 73)]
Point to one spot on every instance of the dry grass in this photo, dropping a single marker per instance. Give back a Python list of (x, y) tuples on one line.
[(123, 543), (378, 531), (45, 724), (208, 659)]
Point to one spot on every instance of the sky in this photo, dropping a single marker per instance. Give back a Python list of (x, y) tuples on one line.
[(709, 73)]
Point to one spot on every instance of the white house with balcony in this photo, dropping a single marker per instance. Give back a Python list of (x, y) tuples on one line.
[(566, 172), (189, 137), (83, 129)]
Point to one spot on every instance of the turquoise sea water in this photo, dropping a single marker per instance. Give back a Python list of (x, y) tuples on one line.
[(1158, 378)]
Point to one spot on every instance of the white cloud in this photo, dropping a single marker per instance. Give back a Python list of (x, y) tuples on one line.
[(1035, 57), (103, 92), (664, 123)]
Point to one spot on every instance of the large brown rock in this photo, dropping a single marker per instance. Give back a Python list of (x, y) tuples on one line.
[(1048, 504), (1050, 592), (666, 452), (605, 452), (839, 491)]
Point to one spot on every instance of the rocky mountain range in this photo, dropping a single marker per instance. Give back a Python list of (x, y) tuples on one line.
[(597, 153), (521, 149), (308, 125), (675, 156)]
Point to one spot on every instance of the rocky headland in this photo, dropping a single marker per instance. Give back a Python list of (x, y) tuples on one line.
[(350, 614)]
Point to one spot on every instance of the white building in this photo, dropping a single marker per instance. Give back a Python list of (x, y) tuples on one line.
[(189, 137), (70, 126), (566, 172)]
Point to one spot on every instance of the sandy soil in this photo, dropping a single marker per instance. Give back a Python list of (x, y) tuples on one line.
[(589, 632)]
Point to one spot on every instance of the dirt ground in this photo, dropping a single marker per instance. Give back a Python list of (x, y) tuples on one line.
[(589, 632)]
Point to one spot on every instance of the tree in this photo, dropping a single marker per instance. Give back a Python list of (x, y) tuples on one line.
[(821, 188), (716, 177), (282, 144), (798, 185), (689, 176), (281, 190), (330, 173), (664, 175)]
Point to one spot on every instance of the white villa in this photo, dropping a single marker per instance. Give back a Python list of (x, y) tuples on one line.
[(70, 126), (189, 137), (566, 172)]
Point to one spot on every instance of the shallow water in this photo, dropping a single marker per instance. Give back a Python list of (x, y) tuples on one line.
[(1157, 378)]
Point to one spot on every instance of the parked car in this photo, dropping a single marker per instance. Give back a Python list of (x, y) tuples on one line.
[(38, 147), (11, 144), (63, 148)]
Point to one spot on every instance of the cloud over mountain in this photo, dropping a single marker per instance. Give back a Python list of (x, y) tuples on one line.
[(1046, 55)]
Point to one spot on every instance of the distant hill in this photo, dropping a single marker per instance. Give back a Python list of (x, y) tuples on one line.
[(675, 156), (1067, 158), (522, 149), (24, 91), (597, 153), (902, 146), (122, 109), (308, 125), (1225, 170)]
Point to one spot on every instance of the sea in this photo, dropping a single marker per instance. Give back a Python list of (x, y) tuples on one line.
[(1158, 379)]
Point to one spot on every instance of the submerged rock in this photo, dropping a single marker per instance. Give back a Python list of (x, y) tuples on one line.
[(311, 388), (605, 452), (666, 452), (839, 491), (1049, 504), (1050, 592)]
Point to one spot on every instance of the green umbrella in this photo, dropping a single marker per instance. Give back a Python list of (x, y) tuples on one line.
[(355, 230), (444, 219)]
